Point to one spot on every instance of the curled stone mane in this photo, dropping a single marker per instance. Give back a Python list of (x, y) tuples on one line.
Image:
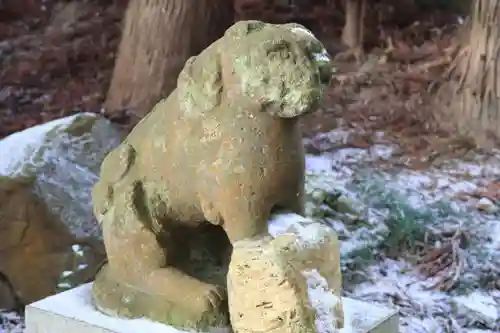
[(274, 65)]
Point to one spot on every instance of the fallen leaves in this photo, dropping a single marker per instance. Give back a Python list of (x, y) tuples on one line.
[(491, 192), (62, 63), (443, 265)]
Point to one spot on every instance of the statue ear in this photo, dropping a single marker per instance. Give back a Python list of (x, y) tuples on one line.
[(187, 72), (200, 83), (295, 26), (244, 28)]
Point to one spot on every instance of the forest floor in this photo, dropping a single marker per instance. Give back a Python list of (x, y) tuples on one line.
[(416, 209)]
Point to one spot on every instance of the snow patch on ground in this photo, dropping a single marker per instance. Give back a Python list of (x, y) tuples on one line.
[(441, 198), (359, 200), (11, 322)]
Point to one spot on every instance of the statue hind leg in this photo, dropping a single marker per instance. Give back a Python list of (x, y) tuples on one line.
[(139, 280)]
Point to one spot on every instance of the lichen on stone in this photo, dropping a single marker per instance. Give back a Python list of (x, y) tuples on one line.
[(283, 66)]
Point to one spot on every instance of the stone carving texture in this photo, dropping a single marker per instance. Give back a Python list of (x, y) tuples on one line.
[(287, 284), (223, 148)]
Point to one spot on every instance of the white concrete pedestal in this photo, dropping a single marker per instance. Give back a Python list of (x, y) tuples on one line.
[(72, 312)]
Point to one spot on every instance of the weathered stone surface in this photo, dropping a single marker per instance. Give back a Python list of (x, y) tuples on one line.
[(72, 311), (35, 247), (46, 176), (64, 157), (287, 284), (118, 297), (225, 147)]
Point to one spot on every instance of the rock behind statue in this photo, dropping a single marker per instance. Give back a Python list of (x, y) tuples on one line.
[(224, 149)]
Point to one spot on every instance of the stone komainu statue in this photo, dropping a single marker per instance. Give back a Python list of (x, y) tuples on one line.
[(224, 148)]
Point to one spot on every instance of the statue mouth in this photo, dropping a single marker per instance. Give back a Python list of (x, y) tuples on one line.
[(318, 53)]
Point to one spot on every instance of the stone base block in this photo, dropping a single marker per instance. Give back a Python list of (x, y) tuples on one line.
[(72, 311), (288, 281)]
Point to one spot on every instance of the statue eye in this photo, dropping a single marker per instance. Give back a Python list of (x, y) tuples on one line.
[(281, 55), (276, 46)]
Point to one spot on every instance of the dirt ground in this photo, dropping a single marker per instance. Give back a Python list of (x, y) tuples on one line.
[(57, 57)]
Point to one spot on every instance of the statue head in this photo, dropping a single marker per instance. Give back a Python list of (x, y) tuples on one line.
[(282, 67)]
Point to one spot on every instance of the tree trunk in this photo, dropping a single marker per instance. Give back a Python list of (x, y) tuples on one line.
[(353, 32), (470, 102), (158, 37)]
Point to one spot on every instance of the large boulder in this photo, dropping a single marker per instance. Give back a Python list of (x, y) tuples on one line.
[(46, 177)]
